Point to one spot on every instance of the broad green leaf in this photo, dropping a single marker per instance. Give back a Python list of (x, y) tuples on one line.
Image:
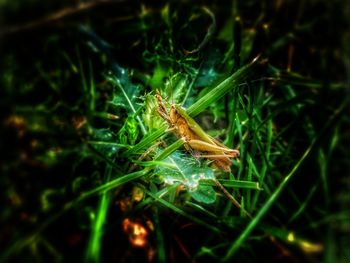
[(182, 169), (186, 171)]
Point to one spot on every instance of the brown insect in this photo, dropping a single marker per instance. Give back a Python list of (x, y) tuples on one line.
[(197, 141)]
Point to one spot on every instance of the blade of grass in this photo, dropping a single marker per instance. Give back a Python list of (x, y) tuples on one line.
[(241, 146), (248, 192), (154, 163), (169, 150), (201, 209), (323, 166), (303, 205), (108, 144), (94, 245), (228, 84), (265, 153), (234, 184), (92, 90), (161, 254), (115, 183)]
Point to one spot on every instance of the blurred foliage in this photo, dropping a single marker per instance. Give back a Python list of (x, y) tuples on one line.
[(90, 171)]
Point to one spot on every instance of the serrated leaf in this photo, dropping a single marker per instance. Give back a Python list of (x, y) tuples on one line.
[(126, 93), (150, 115), (183, 169)]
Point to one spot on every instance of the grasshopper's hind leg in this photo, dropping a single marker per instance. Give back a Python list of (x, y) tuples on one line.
[(215, 149)]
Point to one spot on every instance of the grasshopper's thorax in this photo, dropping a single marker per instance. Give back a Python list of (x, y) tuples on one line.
[(180, 124)]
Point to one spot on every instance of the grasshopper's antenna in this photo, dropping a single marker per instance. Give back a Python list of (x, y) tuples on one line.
[(171, 92)]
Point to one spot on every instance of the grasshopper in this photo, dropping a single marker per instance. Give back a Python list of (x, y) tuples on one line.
[(195, 138)]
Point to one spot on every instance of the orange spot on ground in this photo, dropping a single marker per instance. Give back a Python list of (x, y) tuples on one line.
[(136, 232)]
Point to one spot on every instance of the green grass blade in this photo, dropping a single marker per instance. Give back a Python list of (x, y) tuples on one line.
[(95, 242), (219, 91), (323, 166), (201, 209), (234, 184), (241, 184), (169, 150), (265, 153), (161, 254), (164, 154), (92, 89), (94, 246), (303, 205), (102, 143), (115, 183)]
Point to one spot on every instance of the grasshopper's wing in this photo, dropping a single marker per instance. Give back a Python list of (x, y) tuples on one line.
[(194, 126), (232, 152)]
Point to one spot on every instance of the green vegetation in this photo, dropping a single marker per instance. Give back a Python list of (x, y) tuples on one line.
[(91, 172)]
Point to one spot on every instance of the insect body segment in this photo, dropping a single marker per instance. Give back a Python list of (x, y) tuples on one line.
[(196, 140)]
